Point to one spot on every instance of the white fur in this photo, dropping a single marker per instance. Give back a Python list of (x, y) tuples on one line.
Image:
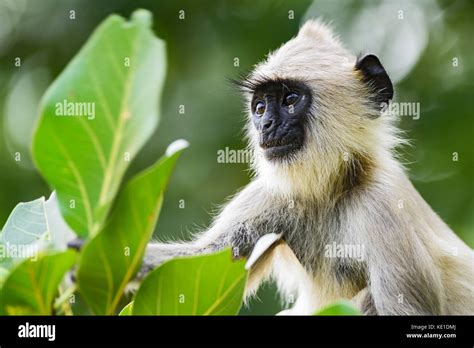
[(414, 264), (345, 127)]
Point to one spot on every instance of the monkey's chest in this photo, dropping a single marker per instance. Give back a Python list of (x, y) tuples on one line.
[(326, 250)]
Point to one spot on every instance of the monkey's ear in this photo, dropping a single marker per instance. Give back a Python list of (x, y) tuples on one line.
[(376, 77)]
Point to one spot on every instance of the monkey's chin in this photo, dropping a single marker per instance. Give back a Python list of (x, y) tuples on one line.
[(281, 152)]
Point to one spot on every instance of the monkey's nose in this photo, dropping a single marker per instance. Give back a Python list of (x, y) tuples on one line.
[(267, 124)]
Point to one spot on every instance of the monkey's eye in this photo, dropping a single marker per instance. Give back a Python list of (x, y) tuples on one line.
[(260, 108), (290, 98)]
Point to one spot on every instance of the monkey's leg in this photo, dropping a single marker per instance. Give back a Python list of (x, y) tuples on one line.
[(403, 277), (411, 289), (364, 302)]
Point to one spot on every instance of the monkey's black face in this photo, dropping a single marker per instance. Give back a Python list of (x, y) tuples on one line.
[(280, 110)]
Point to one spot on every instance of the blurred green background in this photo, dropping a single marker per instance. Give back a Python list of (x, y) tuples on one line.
[(427, 48)]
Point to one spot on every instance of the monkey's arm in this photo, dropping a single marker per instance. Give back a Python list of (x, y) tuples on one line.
[(234, 227)]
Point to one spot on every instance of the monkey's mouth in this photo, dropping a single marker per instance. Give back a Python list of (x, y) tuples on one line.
[(279, 148)]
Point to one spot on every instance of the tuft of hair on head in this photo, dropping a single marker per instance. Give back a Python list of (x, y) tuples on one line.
[(319, 30)]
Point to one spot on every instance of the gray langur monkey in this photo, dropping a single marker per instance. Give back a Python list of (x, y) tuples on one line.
[(326, 174)]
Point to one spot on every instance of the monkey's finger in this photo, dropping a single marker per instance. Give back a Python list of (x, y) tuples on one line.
[(75, 244)]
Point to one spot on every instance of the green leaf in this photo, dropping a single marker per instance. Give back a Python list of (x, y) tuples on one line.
[(31, 287), (339, 308), (32, 227), (110, 260), (127, 310), (115, 81), (26, 224), (203, 285), (25, 233)]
